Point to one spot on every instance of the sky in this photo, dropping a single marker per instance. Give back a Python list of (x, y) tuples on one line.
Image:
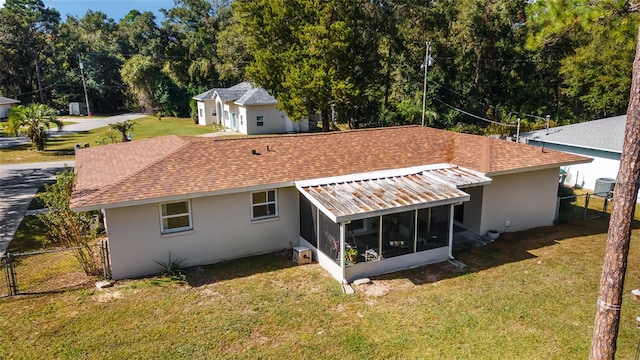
[(115, 9)]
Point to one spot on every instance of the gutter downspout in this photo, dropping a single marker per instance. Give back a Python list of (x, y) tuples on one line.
[(451, 231), (452, 260)]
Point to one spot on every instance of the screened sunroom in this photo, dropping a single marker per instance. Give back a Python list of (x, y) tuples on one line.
[(374, 223)]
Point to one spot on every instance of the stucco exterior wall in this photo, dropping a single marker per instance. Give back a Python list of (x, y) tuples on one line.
[(222, 230), (273, 120), (472, 218), (206, 109), (525, 200)]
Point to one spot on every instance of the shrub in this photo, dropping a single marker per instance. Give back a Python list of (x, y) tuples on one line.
[(72, 229), (172, 268)]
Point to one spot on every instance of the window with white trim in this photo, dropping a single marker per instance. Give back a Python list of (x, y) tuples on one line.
[(200, 112), (260, 120), (175, 216), (264, 205)]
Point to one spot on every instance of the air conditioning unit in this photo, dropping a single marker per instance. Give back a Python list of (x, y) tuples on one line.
[(301, 255), (604, 187)]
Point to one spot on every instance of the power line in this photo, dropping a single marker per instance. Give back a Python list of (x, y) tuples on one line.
[(473, 115)]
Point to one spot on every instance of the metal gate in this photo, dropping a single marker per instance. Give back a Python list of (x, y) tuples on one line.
[(7, 277)]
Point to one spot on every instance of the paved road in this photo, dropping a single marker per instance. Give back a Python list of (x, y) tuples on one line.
[(83, 124), (19, 182)]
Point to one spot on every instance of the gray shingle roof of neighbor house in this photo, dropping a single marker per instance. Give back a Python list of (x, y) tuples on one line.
[(146, 171), (6, 101), (256, 96), (207, 95), (603, 134), (243, 93)]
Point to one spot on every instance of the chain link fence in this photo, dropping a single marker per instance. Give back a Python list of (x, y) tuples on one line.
[(52, 270), (583, 206), (4, 279)]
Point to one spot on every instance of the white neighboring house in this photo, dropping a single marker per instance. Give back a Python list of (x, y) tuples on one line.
[(246, 109), (399, 195), (599, 139), (5, 105)]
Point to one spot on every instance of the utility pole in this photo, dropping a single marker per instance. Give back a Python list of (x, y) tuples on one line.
[(426, 71), (518, 132), (84, 84)]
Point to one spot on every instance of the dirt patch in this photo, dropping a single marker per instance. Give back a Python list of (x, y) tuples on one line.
[(375, 288), (108, 296)]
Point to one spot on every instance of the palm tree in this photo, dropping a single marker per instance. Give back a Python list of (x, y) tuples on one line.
[(124, 128), (33, 121)]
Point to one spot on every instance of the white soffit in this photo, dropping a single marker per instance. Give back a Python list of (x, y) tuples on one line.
[(357, 196)]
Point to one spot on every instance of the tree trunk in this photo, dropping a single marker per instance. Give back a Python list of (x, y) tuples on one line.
[(325, 120), (607, 320), (39, 79)]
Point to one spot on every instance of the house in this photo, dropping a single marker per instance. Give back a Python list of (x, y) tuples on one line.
[(5, 105), (247, 109), (599, 139), (397, 195)]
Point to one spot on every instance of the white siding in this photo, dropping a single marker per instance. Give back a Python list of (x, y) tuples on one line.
[(526, 200), (222, 230)]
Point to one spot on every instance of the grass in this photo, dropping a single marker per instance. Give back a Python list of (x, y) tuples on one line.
[(30, 236), (61, 148), (529, 295)]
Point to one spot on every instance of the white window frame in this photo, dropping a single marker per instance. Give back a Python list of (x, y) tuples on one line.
[(200, 112), (180, 229), (260, 120), (267, 202)]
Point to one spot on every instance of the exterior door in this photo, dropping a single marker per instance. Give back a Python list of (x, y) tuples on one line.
[(233, 121)]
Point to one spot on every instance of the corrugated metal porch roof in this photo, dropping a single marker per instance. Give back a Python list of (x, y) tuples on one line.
[(359, 196)]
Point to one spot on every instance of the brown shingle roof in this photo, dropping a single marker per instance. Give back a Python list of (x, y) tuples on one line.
[(175, 166)]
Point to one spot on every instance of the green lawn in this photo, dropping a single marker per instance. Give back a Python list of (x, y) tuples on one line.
[(61, 148), (529, 295)]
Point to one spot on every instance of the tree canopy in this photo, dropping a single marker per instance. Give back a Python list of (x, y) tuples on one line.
[(499, 60)]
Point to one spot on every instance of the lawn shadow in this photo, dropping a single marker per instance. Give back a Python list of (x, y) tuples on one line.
[(234, 269)]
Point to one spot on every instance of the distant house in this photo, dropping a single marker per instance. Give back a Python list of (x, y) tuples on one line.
[(599, 139), (5, 105), (399, 196), (247, 109)]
